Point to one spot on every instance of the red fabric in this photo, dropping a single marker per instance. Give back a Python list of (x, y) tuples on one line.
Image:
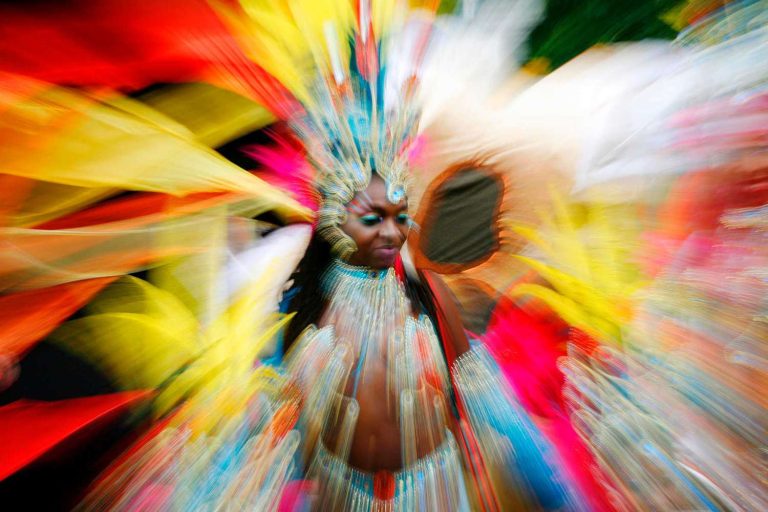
[(106, 42), (133, 206), (384, 485), (526, 349), (582, 340), (27, 317), (31, 428), (130, 45), (400, 269)]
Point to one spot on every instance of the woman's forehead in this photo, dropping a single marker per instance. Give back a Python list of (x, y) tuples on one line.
[(375, 197), (365, 200)]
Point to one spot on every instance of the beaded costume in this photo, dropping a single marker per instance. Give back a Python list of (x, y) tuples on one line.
[(602, 226)]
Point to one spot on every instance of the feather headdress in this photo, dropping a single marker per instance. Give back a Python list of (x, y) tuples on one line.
[(352, 74)]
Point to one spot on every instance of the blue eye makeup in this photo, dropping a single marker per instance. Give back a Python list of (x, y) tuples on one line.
[(370, 220), (373, 219)]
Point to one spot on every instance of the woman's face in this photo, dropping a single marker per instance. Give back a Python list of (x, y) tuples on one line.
[(378, 227)]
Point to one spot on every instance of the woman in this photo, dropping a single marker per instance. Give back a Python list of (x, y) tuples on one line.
[(379, 425), (387, 372)]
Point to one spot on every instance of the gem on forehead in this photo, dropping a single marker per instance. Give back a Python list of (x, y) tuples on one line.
[(397, 194)]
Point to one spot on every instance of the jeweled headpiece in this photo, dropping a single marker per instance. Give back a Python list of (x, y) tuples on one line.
[(348, 138), (351, 68)]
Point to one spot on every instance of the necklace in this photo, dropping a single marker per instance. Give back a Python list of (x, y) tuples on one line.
[(365, 305)]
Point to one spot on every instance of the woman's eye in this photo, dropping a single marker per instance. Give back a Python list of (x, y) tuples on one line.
[(403, 218), (370, 220)]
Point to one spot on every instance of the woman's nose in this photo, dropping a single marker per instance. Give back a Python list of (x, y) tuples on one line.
[(389, 229)]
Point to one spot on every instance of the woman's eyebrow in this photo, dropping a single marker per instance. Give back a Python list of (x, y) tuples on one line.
[(384, 207), (365, 204), (382, 210)]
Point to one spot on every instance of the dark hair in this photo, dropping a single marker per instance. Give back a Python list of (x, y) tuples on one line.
[(308, 302)]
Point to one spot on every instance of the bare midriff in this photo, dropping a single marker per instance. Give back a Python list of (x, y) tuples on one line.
[(376, 443)]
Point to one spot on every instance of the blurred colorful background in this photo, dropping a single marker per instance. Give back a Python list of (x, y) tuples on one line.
[(599, 209)]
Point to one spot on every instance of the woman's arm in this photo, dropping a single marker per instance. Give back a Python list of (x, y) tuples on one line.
[(450, 318)]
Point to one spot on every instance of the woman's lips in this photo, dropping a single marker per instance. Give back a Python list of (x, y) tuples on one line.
[(386, 252)]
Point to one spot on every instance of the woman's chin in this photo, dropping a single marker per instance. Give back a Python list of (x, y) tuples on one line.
[(379, 259)]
